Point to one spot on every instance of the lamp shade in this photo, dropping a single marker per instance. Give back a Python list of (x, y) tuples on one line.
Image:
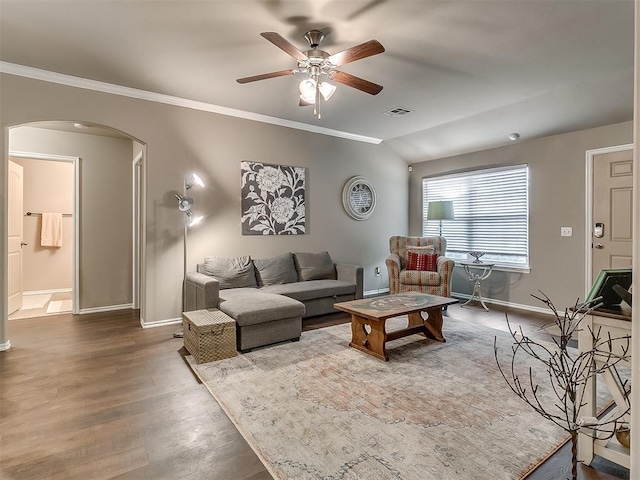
[(307, 89), (327, 90), (440, 210), (197, 180)]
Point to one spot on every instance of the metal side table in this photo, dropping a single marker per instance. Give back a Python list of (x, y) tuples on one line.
[(477, 271)]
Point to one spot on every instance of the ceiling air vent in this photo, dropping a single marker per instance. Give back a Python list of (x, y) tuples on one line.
[(398, 112)]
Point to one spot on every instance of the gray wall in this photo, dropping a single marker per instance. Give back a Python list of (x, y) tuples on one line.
[(179, 140), (557, 182), (105, 208)]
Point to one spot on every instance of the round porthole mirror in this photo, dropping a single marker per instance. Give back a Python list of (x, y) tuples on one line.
[(359, 198)]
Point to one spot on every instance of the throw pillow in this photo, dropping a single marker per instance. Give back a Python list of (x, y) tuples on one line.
[(231, 272), (314, 266), (422, 261), (416, 249), (275, 270)]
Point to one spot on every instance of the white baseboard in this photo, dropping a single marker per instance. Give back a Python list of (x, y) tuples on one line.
[(160, 323), (375, 293), (503, 303), (47, 292), (108, 308), (5, 346)]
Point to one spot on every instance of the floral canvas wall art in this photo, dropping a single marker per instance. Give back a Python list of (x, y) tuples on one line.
[(273, 199)]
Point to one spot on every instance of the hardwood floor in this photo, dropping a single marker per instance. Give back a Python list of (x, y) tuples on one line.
[(97, 397)]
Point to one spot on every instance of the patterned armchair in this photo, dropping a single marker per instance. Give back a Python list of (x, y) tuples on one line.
[(403, 280)]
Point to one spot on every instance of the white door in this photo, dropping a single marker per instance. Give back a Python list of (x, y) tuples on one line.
[(14, 218), (612, 219)]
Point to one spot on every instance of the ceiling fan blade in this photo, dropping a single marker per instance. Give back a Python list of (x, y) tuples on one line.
[(264, 76), (284, 44), (364, 50), (357, 82)]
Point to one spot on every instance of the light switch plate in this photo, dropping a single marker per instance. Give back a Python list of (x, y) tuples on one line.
[(566, 231)]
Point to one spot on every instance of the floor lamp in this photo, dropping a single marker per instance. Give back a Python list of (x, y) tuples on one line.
[(440, 210), (184, 205)]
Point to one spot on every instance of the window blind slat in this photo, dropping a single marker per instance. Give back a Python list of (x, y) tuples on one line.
[(491, 209)]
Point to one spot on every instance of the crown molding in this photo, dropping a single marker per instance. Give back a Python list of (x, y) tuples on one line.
[(87, 84)]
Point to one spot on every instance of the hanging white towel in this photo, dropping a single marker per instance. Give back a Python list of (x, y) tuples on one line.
[(51, 234)]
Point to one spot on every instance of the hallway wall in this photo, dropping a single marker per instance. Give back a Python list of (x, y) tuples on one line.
[(105, 208)]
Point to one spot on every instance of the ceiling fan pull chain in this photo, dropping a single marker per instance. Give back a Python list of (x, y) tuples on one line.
[(317, 104)]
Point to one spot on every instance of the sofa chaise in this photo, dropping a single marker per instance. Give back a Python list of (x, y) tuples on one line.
[(268, 298)]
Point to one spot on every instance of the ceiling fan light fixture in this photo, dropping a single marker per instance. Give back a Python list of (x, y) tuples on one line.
[(307, 89), (327, 90)]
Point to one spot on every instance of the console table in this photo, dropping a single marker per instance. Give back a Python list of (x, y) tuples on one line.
[(589, 443), (477, 271)]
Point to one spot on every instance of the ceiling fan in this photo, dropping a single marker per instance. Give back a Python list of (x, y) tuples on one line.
[(318, 65)]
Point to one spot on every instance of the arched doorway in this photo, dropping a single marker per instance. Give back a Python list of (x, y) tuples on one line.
[(109, 241)]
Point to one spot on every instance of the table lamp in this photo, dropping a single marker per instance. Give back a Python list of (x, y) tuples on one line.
[(440, 210)]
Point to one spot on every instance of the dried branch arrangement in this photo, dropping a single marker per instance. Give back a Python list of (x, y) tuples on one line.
[(568, 372)]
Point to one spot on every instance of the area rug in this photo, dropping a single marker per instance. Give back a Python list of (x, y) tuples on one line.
[(318, 409)]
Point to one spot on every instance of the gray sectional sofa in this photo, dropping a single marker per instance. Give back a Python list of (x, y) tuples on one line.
[(268, 298)]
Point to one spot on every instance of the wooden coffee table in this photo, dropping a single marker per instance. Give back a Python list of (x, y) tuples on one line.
[(368, 317)]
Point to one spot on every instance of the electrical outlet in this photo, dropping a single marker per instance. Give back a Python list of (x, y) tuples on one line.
[(566, 231), (377, 271)]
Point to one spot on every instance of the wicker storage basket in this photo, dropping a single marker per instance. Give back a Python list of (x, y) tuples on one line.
[(209, 335)]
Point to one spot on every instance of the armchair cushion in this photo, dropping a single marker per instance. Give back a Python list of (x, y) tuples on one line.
[(422, 261), (421, 278), (402, 245)]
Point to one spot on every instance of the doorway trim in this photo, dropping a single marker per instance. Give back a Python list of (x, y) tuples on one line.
[(590, 154), (138, 177), (76, 213)]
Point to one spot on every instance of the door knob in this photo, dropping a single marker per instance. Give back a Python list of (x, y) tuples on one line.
[(22, 244), (599, 246)]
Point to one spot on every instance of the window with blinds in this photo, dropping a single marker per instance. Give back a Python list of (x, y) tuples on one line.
[(491, 209)]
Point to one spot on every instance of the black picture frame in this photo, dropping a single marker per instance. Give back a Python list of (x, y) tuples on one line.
[(273, 199)]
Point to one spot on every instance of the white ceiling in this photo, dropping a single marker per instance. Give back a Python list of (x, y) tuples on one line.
[(472, 71)]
